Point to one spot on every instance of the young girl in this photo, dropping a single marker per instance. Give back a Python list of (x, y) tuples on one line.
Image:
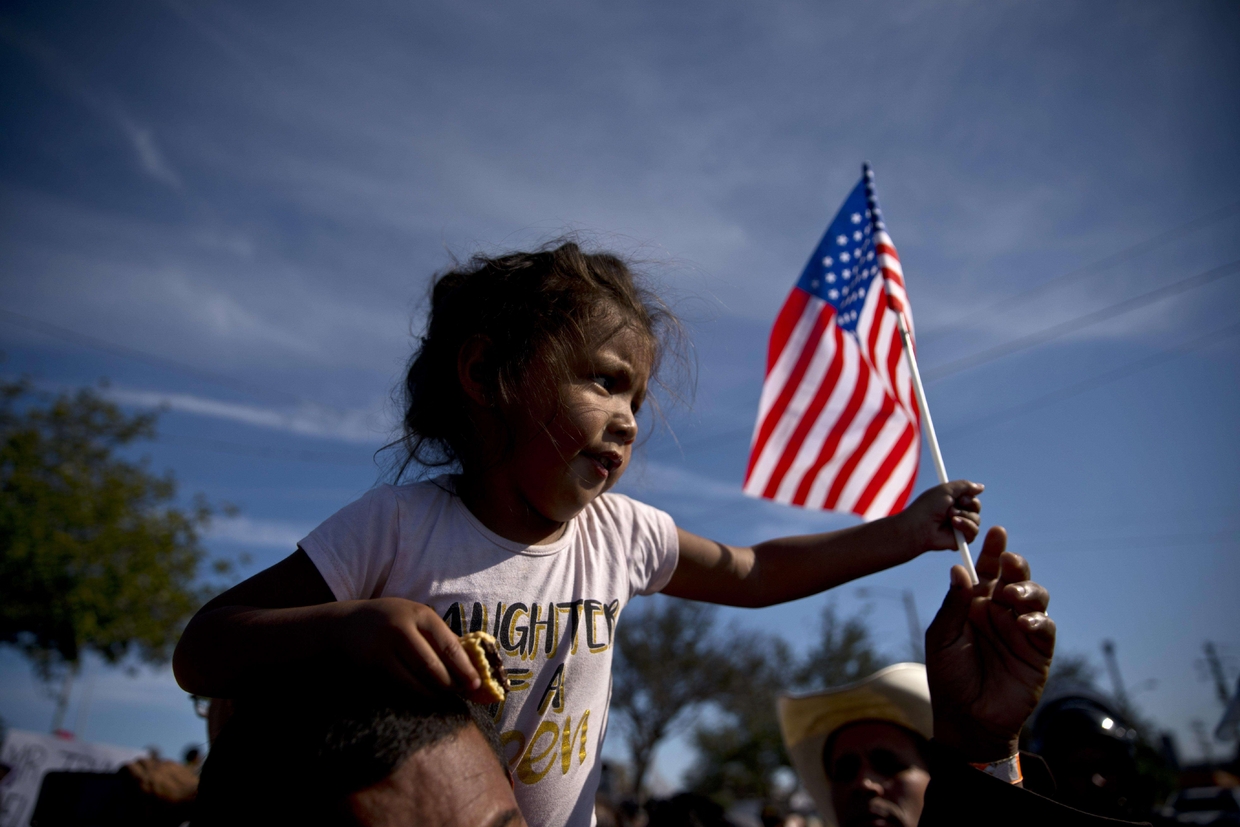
[(528, 382)]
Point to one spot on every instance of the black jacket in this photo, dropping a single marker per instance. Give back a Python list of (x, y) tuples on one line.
[(961, 796)]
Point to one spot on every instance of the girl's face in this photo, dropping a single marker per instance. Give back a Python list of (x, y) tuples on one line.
[(570, 450)]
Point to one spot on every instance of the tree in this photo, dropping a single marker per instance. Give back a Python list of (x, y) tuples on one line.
[(94, 555), (844, 653), (666, 666), (739, 758), (742, 758)]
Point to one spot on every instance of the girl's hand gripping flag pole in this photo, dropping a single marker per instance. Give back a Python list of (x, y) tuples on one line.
[(840, 415)]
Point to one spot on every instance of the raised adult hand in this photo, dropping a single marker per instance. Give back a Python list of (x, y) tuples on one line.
[(988, 654)]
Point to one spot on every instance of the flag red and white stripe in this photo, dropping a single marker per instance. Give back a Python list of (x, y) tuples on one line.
[(838, 424)]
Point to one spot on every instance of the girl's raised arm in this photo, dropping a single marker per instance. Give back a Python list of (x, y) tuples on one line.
[(283, 627), (789, 568)]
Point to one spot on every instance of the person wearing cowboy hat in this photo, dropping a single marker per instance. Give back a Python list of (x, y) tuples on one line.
[(937, 744), (861, 749)]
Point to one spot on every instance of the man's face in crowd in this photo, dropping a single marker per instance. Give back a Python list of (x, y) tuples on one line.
[(878, 777), (455, 783)]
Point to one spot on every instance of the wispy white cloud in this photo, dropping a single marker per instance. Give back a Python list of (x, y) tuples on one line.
[(224, 316), (357, 426), (206, 293), (250, 531), (105, 105), (717, 508), (651, 479)]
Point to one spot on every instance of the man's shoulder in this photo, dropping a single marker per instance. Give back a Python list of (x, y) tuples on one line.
[(960, 795)]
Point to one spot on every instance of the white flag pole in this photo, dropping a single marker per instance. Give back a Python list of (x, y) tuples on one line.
[(918, 390), (965, 557)]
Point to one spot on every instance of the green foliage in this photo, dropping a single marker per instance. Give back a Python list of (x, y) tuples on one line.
[(844, 653), (740, 758), (666, 665), (670, 663), (93, 555)]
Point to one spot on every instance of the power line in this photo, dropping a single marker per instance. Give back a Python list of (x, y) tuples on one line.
[(1128, 544), (1011, 346), (1040, 337), (1098, 266), (221, 446), (1041, 543), (934, 373), (1091, 383), (1187, 537), (337, 458), (249, 450)]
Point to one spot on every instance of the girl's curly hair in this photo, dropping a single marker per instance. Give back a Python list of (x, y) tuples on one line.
[(544, 305)]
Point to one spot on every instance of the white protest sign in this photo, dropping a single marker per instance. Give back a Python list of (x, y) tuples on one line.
[(32, 754)]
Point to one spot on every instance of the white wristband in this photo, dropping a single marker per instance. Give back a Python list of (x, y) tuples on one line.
[(1006, 770)]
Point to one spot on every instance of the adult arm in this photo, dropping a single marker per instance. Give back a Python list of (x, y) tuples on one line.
[(789, 568), (988, 655), (961, 796), (283, 626)]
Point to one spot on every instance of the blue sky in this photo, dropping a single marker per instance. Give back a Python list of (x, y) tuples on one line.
[(232, 209)]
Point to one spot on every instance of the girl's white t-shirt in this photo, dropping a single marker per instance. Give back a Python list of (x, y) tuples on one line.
[(552, 608)]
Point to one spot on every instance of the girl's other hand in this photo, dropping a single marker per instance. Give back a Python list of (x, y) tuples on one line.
[(933, 518), (409, 642)]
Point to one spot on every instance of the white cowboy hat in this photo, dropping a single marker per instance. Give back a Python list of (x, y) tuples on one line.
[(898, 694)]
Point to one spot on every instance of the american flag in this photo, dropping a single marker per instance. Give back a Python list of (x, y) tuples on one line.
[(838, 424)]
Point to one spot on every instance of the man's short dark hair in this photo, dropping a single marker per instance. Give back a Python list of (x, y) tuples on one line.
[(363, 740), (297, 760)]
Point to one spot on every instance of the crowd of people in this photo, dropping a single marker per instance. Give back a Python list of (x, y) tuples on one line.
[(908, 745), (350, 699)]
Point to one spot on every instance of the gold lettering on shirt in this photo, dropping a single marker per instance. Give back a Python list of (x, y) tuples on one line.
[(513, 736), (527, 773), (566, 743), (567, 738)]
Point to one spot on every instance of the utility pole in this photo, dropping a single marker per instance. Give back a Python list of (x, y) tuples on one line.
[(1216, 671), (1229, 727), (916, 637), (62, 699), (1117, 682), (83, 710), (1203, 741)]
